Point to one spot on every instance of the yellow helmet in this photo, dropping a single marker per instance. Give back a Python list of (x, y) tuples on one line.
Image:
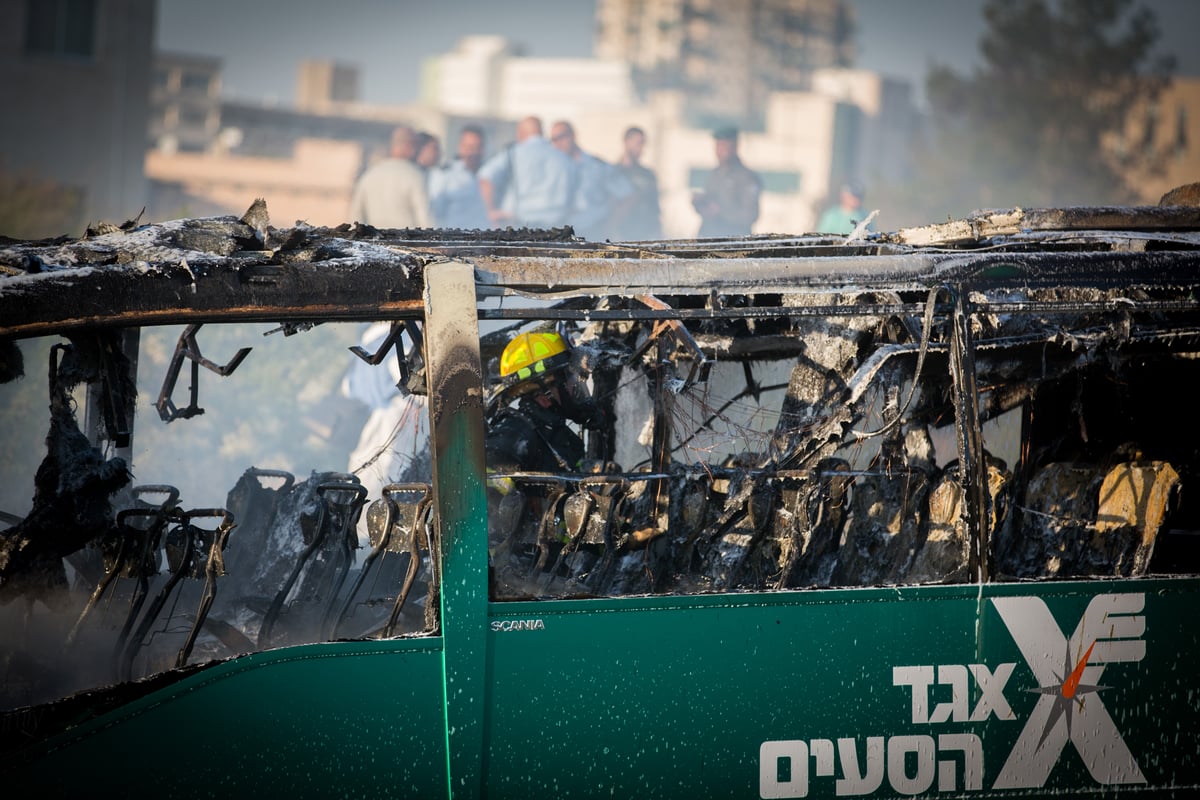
[(532, 355)]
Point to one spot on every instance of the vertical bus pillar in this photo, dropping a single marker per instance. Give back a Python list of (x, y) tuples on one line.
[(455, 380), (973, 475), (108, 411)]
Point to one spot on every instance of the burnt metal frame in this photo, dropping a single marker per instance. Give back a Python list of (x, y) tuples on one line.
[(212, 568), (187, 348), (391, 525), (393, 341), (320, 533), (956, 311), (145, 540)]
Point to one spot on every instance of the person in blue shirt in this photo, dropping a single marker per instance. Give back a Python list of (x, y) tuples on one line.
[(454, 196), (603, 195), (528, 184)]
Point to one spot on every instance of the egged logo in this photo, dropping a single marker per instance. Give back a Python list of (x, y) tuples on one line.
[(1068, 673), (1069, 708)]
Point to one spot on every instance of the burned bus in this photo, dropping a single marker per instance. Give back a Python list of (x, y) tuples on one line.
[(895, 514)]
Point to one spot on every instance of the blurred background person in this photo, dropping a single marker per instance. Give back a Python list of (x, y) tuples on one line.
[(454, 196), (428, 151), (644, 219), (728, 206), (847, 213), (602, 196), (391, 193), (529, 183)]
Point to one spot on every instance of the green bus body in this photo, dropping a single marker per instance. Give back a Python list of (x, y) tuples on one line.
[(648, 697), (991, 689)]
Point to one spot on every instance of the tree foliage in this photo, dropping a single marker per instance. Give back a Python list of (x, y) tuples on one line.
[(1040, 122)]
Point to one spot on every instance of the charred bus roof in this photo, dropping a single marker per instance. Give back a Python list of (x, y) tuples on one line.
[(225, 268)]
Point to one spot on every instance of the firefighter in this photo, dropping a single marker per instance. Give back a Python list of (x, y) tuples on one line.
[(528, 432), (535, 398)]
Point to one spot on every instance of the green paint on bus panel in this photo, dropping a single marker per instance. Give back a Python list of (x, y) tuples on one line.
[(857, 692), (456, 416)]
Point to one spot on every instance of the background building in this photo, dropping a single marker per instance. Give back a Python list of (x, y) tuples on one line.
[(487, 76), (321, 84), (75, 85), (302, 159), (91, 112), (185, 102), (312, 184), (725, 57)]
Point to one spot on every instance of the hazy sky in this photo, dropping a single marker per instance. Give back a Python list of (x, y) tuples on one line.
[(261, 42)]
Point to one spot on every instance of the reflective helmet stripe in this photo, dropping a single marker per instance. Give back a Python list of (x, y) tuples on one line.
[(526, 354)]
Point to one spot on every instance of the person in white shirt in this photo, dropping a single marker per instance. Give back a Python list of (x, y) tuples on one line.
[(391, 193)]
